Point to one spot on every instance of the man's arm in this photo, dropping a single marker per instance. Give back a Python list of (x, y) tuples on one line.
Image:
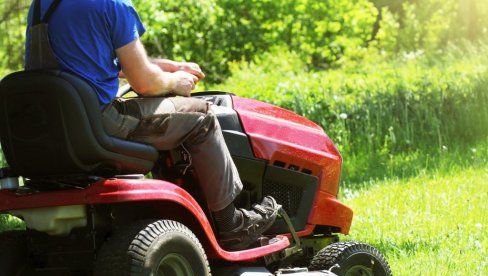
[(173, 66), (147, 78)]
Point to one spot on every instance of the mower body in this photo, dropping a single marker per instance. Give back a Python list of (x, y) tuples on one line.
[(69, 216)]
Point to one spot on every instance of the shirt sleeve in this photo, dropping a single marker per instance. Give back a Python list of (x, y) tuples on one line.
[(124, 22)]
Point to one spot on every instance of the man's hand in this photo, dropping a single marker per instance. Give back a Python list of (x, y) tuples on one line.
[(183, 82), (156, 77), (171, 66), (192, 68)]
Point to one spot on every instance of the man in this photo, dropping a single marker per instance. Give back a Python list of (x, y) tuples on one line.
[(100, 39)]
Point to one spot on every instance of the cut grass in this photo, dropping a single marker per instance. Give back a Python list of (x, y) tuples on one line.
[(428, 225)]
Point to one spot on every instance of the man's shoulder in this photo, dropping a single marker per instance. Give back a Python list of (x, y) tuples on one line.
[(119, 2), (99, 6), (101, 3)]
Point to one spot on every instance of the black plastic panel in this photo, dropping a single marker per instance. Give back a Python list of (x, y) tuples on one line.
[(251, 172), (235, 138), (295, 191)]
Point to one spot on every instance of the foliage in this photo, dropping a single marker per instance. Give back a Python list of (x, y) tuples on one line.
[(218, 31), (325, 34), (12, 33), (180, 30), (8, 222), (429, 24)]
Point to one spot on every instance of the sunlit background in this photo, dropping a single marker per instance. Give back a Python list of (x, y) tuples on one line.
[(401, 87)]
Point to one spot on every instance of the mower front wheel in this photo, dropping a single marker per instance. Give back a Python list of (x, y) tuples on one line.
[(163, 247), (351, 259)]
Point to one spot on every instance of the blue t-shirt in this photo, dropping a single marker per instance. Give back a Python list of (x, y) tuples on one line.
[(84, 35)]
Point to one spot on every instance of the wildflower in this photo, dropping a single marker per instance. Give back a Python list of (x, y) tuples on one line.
[(343, 116), (413, 55)]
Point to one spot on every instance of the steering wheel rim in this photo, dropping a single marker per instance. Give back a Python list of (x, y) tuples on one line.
[(124, 89)]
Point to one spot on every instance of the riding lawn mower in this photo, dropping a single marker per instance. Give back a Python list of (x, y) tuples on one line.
[(98, 205)]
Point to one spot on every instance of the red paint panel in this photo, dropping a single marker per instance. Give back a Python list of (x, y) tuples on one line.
[(328, 208), (281, 124), (277, 134), (124, 190)]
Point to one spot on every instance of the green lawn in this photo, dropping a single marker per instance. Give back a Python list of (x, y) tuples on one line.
[(428, 225)]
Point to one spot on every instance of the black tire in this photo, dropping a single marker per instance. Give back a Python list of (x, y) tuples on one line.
[(13, 253), (350, 259), (163, 247)]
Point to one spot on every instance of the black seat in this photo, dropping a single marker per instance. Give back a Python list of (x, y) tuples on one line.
[(50, 125)]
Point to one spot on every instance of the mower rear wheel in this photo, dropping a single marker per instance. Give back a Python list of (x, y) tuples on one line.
[(351, 259), (163, 247)]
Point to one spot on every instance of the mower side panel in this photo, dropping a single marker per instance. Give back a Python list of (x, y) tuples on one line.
[(291, 141), (125, 190), (101, 192)]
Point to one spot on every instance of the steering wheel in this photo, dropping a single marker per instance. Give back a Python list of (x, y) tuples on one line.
[(124, 89)]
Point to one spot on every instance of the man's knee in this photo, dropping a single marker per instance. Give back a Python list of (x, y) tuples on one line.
[(208, 128), (190, 105)]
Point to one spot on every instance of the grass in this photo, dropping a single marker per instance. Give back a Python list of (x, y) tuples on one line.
[(366, 166), (433, 224), (8, 222)]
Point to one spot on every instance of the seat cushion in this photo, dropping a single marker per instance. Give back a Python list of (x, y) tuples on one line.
[(50, 124)]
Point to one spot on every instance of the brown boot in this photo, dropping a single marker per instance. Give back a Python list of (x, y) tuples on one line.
[(255, 222)]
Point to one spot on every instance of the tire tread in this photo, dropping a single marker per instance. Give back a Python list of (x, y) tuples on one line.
[(131, 244), (339, 251)]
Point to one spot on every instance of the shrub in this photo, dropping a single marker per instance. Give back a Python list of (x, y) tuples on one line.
[(214, 32), (429, 25)]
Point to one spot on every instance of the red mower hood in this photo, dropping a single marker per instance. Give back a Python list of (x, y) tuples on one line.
[(288, 139), (291, 141), (275, 122)]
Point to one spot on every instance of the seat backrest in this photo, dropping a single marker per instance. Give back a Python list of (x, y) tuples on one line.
[(50, 125)]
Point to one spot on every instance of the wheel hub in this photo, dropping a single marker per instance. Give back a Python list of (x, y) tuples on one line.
[(359, 270), (174, 265)]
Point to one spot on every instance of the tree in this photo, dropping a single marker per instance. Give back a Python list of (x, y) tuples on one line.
[(12, 33)]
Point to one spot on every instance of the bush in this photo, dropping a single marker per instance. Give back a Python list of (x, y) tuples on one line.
[(12, 34), (215, 32), (429, 25)]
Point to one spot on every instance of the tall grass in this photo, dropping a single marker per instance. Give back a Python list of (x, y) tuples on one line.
[(380, 110)]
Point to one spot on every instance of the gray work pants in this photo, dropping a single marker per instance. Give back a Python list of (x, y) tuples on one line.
[(167, 123)]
